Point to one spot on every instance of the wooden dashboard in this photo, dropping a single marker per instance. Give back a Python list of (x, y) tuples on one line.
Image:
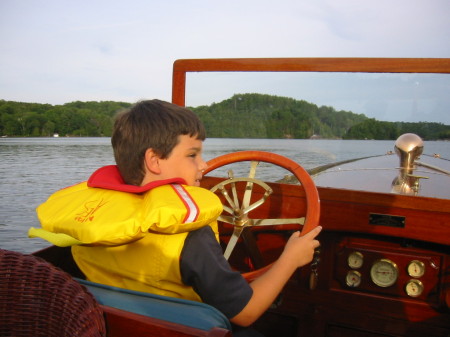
[(388, 277)]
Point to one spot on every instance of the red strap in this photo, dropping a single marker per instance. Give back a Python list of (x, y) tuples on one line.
[(108, 177)]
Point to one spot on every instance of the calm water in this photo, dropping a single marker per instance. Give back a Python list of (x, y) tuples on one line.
[(33, 168)]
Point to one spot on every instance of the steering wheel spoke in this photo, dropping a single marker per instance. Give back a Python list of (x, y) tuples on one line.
[(233, 203), (233, 240), (249, 187), (276, 222), (227, 219)]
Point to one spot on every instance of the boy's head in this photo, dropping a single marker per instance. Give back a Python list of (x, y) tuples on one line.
[(154, 125)]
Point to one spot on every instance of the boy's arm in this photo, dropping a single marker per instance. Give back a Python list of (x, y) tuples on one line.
[(298, 252)]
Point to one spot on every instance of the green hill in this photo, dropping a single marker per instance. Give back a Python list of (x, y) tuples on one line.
[(267, 116)]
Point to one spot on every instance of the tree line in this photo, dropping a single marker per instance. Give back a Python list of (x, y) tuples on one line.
[(85, 119), (241, 116), (267, 116)]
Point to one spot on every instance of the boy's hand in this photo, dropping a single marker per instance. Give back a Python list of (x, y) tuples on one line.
[(299, 250)]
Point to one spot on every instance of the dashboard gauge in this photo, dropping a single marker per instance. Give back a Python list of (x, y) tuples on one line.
[(416, 268), (355, 260), (384, 273), (414, 288), (353, 279)]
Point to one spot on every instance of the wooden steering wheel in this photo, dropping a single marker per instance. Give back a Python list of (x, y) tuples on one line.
[(236, 211)]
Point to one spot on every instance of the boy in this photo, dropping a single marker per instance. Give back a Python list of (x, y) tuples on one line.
[(171, 246)]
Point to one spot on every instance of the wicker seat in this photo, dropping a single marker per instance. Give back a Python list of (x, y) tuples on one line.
[(38, 299)]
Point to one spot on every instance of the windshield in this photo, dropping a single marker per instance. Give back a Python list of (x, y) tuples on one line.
[(321, 119)]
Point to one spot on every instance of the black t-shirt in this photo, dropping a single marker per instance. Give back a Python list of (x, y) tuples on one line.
[(204, 267)]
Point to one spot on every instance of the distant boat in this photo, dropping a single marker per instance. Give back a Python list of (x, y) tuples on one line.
[(56, 135)]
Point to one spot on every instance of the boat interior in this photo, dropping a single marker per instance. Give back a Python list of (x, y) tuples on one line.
[(383, 267)]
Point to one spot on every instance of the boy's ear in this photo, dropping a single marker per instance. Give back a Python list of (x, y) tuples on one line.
[(151, 160)]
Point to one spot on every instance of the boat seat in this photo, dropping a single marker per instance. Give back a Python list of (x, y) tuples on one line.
[(190, 313), (38, 299)]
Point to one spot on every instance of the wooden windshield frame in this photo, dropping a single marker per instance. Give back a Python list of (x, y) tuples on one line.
[(363, 65)]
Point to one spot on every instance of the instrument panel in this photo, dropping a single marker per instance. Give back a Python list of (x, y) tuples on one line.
[(394, 271)]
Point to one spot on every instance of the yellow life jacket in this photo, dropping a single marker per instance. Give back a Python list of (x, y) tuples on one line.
[(88, 215), (129, 236), (151, 264)]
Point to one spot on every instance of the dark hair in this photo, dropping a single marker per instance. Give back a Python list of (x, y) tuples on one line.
[(151, 124)]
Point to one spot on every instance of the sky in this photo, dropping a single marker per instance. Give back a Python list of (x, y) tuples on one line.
[(59, 51)]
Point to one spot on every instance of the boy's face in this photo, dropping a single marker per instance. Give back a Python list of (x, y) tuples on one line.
[(185, 161)]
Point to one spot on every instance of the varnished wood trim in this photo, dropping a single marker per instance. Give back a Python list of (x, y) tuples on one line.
[(324, 64)]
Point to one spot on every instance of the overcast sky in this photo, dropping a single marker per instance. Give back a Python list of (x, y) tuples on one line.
[(58, 51)]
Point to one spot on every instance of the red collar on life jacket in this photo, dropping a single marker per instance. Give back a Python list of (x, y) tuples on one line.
[(108, 177)]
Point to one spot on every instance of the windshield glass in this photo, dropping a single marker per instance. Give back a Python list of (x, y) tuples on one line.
[(385, 97), (321, 119)]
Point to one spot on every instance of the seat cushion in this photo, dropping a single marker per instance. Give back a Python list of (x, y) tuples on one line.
[(194, 314)]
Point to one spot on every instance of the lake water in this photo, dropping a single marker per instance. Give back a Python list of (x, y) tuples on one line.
[(33, 168)]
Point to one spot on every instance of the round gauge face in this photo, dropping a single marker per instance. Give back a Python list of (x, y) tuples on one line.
[(414, 288), (416, 268), (355, 260), (384, 273), (353, 278)]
